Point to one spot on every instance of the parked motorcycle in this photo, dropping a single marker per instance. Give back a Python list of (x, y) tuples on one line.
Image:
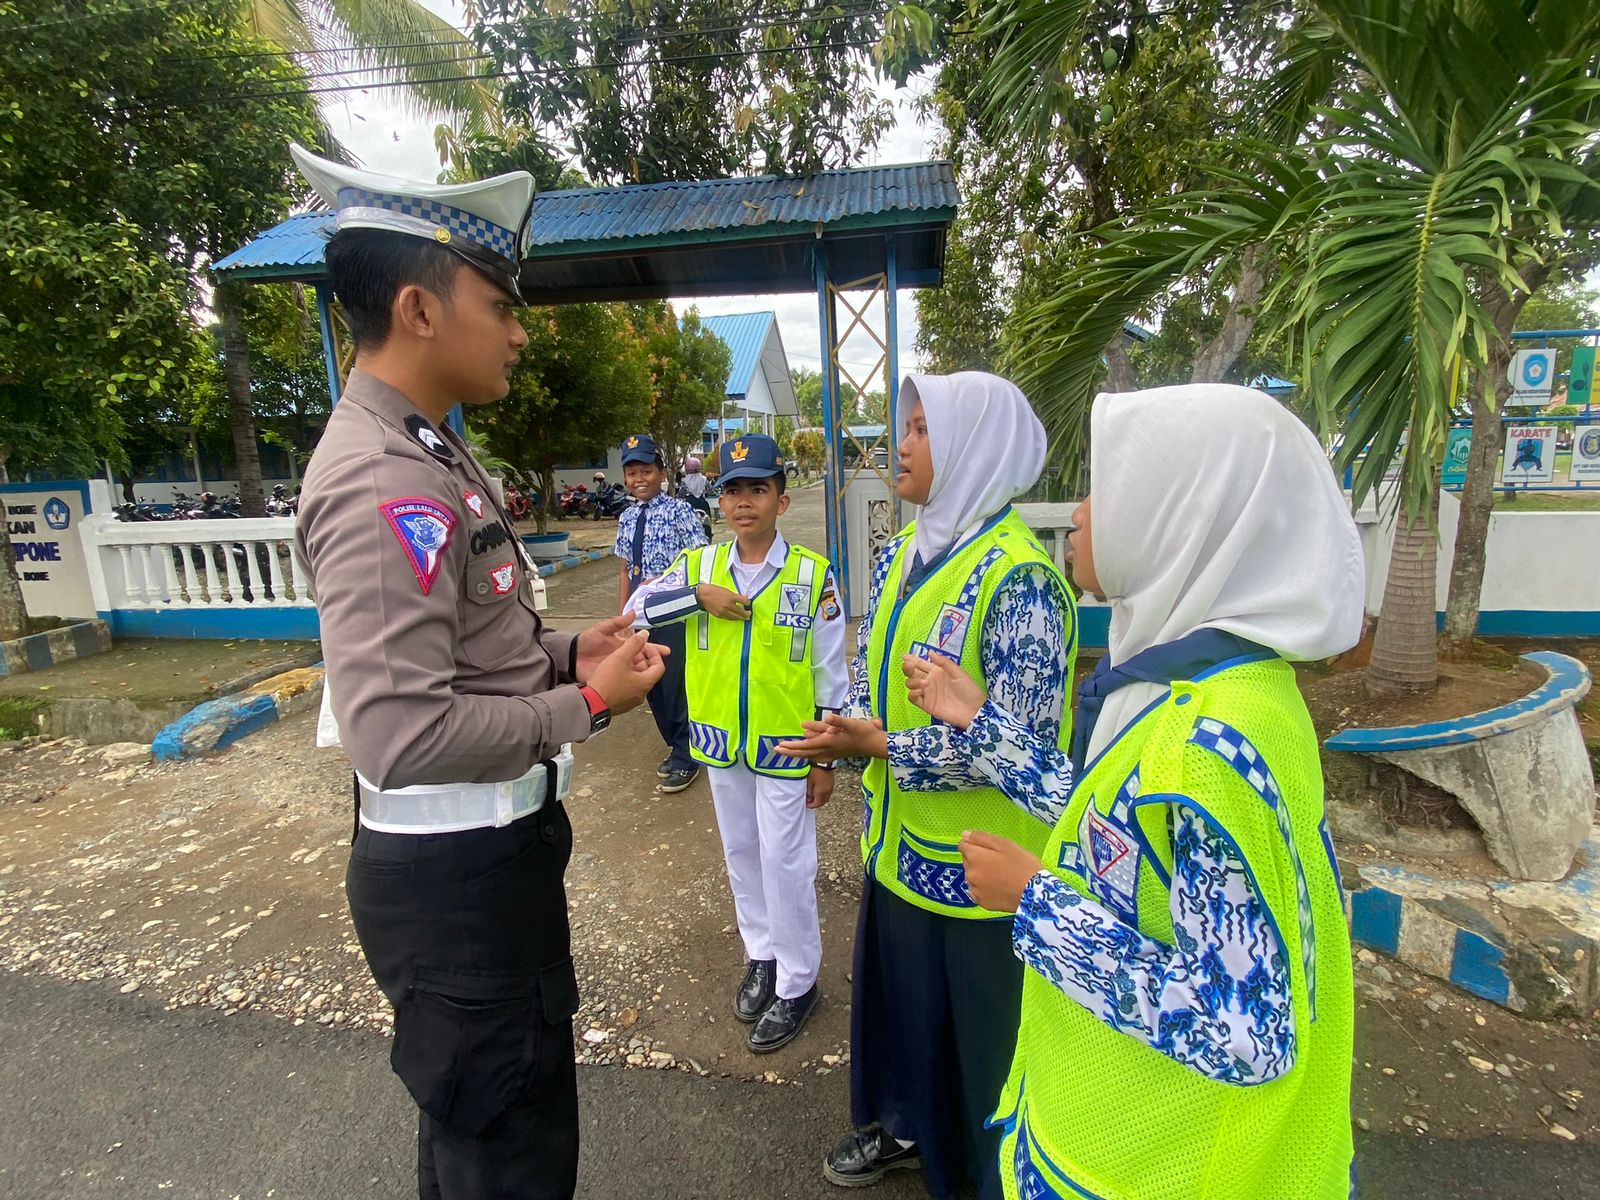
[(521, 499), (610, 502), (281, 504), (573, 501)]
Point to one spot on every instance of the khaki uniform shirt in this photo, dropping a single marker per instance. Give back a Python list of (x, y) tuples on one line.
[(438, 667)]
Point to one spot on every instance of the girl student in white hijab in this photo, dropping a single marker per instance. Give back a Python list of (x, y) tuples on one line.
[(935, 985), (1187, 1010)]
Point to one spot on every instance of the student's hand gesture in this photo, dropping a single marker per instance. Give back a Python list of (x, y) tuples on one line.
[(839, 737), (599, 641), (943, 690), (997, 870), (720, 602), (819, 787)]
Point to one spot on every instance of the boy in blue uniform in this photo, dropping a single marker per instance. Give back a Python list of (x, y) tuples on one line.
[(765, 655), (650, 535)]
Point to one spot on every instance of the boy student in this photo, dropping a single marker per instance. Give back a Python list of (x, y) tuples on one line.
[(765, 655), (650, 535)]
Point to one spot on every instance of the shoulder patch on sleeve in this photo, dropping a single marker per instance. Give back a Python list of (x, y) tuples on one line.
[(829, 605), (423, 528)]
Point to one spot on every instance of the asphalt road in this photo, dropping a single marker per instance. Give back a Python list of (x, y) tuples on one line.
[(106, 1095)]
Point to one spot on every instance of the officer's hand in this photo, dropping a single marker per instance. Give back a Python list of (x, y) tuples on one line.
[(720, 602), (943, 690), (997, 870), (819, 787), (627, 674), (600, 640), (839, 737)]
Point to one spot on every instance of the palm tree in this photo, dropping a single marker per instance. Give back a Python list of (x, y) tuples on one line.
[(343, 40), (406, 40), (1410, 164)]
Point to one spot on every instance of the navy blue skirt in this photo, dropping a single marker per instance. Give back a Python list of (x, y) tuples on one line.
[(935, 1003)]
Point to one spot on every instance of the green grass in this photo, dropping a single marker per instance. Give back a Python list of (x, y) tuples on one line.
[(1587, 500)]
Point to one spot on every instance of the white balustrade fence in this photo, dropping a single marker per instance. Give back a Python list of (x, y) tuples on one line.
[(239, 564), (1050, 523)]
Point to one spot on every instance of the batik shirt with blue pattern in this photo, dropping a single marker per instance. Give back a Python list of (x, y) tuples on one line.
[(1217, 999), (670, 528), (1022, 653)]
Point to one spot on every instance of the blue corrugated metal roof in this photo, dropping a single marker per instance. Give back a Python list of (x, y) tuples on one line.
[(663, 209), (293, 245), (746, 336), (601, 219), (1272, 385)]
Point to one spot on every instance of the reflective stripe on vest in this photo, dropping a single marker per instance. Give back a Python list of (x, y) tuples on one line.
[(909, 839), (1237, 746), (749, 683)]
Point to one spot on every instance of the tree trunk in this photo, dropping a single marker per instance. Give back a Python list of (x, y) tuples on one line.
[(13, 608), (547, 499), (1405, 650), (1489, 393), (1119, 371), (1216, 357), (241, 414)]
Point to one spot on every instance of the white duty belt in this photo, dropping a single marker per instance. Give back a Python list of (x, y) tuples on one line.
[(452, 807)]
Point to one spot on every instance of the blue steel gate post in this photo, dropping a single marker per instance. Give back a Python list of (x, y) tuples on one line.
[(882, 515)]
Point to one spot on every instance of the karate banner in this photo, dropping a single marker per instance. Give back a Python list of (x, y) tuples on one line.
[(1530, 455)]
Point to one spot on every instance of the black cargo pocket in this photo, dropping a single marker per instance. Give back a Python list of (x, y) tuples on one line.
[(465, 1061), (558, 992)]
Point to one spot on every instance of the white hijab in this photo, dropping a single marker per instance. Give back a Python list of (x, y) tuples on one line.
[(987, 447), (1214, 506)]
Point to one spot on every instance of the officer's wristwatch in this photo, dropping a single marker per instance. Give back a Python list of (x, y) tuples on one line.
[(599, 714)]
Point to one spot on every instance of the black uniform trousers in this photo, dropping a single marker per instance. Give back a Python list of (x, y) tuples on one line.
[(669, 702), (467, 935), (933, 1024)]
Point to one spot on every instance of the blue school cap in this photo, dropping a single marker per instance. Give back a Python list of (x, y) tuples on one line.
[(750, 456)]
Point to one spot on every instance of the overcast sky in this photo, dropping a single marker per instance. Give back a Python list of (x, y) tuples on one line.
[(377, 128)]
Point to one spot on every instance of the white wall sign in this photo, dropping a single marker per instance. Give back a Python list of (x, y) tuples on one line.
[(1585, 454), (43, 523), (1532, 374), (1530, 454)]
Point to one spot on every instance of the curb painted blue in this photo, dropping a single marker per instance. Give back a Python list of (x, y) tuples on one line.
[(570, 561), (36, 653), (216, 723), (1477, 962), (1568, 683)]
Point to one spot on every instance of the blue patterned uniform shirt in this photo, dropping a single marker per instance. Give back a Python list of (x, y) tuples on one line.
[(670, 528), (1216, 1001)]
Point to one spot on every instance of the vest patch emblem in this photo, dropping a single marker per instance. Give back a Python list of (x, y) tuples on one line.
[(504, 578), (1113, 862), (423, 528), (474, 502), (794, 607), (950, 631)]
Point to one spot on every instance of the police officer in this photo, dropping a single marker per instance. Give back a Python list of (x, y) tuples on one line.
[(451, 698)]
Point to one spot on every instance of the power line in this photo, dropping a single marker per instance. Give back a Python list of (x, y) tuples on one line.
[(199, 101), (442, 39)]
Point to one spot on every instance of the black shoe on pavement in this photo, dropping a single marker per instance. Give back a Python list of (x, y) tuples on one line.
[(676, 781), (756, 993), (665, 768), (866, 1156), (782, 1022)]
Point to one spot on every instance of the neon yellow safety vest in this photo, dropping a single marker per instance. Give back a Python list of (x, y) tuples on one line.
[(909, 839), (1090, 1111), (749, 683)]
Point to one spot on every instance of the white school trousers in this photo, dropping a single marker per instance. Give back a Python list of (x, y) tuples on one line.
[(769, 839)]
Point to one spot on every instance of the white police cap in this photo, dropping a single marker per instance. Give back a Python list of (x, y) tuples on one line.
[(485, 222)]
